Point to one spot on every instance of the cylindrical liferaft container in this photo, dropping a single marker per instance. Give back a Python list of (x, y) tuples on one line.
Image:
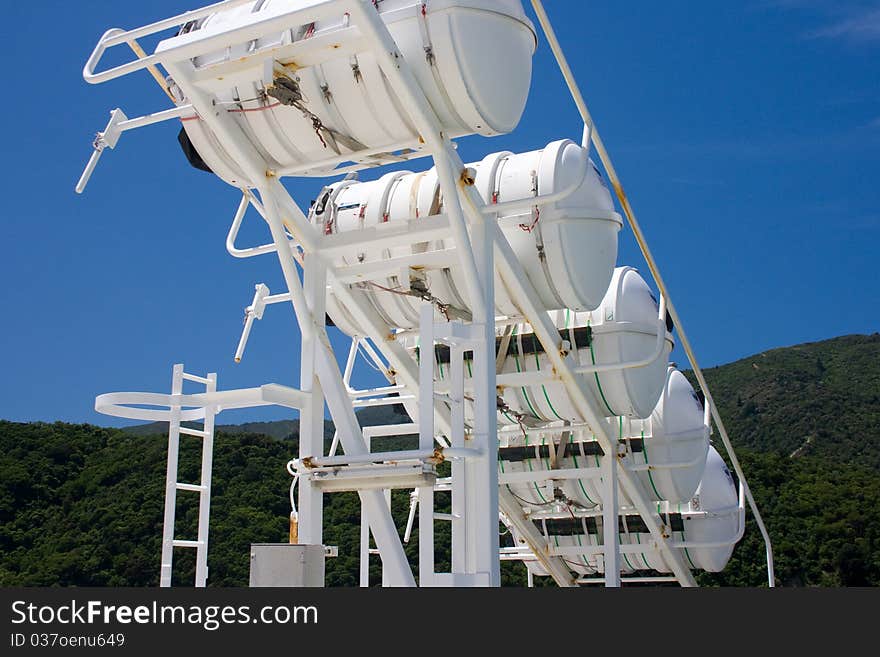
[(667, 451), (568, 247), (706, 529), (675, 441), (710, 523), (624, 329), (303, 105)]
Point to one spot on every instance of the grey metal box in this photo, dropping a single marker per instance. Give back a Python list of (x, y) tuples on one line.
[(283, 564)]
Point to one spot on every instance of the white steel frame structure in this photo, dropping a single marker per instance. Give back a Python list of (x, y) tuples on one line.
[(437, 411)]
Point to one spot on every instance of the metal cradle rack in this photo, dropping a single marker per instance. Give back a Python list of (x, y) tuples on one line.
[(478, 494)]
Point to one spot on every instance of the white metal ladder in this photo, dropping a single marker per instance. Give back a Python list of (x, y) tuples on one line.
[(203, 488)]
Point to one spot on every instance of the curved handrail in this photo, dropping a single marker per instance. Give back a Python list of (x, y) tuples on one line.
[(247, 200), (662, 334), (121, 404), (530, 201), (116, 36)]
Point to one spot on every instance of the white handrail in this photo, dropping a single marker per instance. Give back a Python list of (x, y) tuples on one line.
[(247, 200), (531, 201), (641, 362), (116, 36)]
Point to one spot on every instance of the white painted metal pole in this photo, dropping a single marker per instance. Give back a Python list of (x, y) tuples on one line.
[(426, 442), (365, 533), (386, 573), (171, 481), (459, 468), (482, 484), (205, 491), (311, 418), (349, 362), (610, 538), (411, 518), (364, 550)]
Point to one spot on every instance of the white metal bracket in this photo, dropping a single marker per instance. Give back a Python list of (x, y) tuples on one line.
[(118, 124)]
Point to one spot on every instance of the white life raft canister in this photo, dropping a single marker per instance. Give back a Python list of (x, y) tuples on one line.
[(675, 441), (709, 523), (623, 329), (568, 248), (472, 59)]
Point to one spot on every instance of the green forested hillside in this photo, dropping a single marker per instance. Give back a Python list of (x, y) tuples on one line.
[(806, 424), (82, 505), (817, 399)]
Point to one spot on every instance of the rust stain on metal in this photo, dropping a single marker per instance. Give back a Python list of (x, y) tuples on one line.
[(291, 66)]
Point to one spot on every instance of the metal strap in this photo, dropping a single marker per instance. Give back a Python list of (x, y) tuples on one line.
[(365, 96), (431, 58), (539, 245)]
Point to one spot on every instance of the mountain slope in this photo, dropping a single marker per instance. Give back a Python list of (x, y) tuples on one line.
[(820, 399)]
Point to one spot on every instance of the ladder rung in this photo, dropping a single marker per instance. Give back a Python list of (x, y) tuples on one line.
[(373, 551), (196, 488), (187, 544), (195, 379), (193, 432)]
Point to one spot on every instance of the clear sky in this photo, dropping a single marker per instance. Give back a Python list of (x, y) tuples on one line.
[(746, 134)]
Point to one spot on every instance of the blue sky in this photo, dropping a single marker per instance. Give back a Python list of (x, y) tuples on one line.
[(747, 135)]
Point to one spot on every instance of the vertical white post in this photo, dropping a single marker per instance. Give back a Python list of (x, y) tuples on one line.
[(365, 550), (483, 483), (171, 480), (586, 139), (459, 486), (205, 491), (426, 441), (365, 532), (386, 574), (349, 362), (311, 419), (610, 537)]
